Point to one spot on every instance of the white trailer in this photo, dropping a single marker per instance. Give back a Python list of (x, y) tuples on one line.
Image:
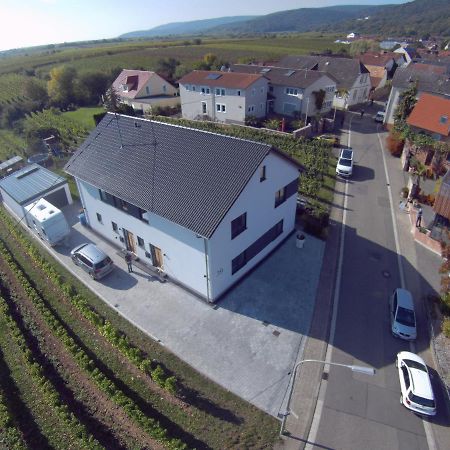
[(48, 221)]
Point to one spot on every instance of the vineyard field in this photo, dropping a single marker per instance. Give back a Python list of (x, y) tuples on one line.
[(11, 144)]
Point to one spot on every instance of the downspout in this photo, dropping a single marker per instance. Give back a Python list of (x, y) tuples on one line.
[(205, 242)]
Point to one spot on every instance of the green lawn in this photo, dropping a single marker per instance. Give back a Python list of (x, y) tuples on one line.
[(84, 116)]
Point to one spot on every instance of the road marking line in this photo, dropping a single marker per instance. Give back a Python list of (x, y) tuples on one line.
[(426, 425), (313, 430)]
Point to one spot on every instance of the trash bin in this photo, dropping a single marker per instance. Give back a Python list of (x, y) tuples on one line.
[(300, 240), (82, 219)]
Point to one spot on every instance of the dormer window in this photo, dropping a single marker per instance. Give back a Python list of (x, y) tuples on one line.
[(443, 119), (125, 87)]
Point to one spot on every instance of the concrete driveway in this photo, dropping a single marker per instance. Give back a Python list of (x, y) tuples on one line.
[(247, 343)]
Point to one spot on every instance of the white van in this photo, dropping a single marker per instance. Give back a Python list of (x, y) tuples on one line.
[(48, 221)]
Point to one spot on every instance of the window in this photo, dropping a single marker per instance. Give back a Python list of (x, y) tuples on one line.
[(262, 90), (147, 90), (124, 206), (288, 108), (205, 90), (99, 217), (261, 106), (187, 87), (253, 91), (140, 242), (291, 91), (284, 193), (141, 215), (164, 88), (262, 242), (114, 227), (238, 225), (194, 88), (262, 173), (220, 107), (220, 91), (251, 108), (238, 92), (204, 109)]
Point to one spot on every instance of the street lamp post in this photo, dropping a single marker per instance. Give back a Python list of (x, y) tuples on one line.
[(359, 369)]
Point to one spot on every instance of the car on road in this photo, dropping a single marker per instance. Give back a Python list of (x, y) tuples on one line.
[(92, 260), (402, 315), (344, 166), (415, 384), (331, 138), (380, 116)]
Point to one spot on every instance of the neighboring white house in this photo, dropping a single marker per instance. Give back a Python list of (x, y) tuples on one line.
[(30, 184), (294, 91), (352, 77), (223, 96), (409, 53), (143, 89), (427, 78), (203, 207)]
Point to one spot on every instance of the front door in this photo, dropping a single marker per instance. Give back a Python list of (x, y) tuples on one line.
[(129, 241), (157, 257)]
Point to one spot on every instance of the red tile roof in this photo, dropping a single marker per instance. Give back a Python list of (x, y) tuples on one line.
[(431, 113), (135, 79), (439, 70), (224, 79), (377, 59)]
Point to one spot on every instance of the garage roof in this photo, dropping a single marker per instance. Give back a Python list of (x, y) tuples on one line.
[(30, 182)]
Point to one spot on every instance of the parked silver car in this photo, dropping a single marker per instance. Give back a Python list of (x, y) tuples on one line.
[(92, 260), (403, 317)]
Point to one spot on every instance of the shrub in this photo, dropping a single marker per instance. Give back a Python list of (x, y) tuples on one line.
[(446, 327), (395, 144), (272, 124)]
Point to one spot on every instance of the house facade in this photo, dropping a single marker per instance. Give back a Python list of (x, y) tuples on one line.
[(144, 89), (223, 96), (202, 207), (353, 85), (426, 77), (381, 66), (293, 92)]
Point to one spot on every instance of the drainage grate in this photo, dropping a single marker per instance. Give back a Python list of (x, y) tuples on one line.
[(276, 333), (325, 376)]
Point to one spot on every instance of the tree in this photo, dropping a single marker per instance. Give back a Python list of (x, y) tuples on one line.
[(111, 100), (35, 90), (61, 86), (166, 67), (362, 46), (92, 86), (406, 103)]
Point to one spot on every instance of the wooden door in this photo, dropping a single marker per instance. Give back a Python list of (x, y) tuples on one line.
[(157, 257), (129, 241)]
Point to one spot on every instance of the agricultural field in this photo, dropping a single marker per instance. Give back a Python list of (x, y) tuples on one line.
[(11, 145), (11, 88), (75, 371), (145, 54)]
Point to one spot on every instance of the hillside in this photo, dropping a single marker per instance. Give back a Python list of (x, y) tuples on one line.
[(193, 27), (297, 20), (417, 18)]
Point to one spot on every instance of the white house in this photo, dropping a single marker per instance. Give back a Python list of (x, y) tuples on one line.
[(294, 91), (31, 183), (143, 89), (352, 78), (223, 96), (203, 207)]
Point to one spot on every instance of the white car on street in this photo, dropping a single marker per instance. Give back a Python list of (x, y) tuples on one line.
[(344, 166), (415, 385), (403, 317), (380, 116)]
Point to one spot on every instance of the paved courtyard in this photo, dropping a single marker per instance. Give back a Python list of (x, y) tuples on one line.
[(247, 343)]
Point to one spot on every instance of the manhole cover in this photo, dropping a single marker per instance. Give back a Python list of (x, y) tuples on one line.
[(386, 274), (276, 333)]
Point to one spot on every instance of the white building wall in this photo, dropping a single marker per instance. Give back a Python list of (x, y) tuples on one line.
[(392, 105), (183, 253), (11, 204), (326, 84), (358, 93), (258, 201), (156, 86)]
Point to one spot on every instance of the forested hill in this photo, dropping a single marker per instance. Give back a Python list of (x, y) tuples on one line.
[(417, 18)]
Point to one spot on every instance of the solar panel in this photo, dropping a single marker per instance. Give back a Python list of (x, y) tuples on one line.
[(265, 70), (213, 76), (289, 73)]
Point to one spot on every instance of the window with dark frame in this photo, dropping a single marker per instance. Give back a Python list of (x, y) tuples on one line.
[(124, 206), (99, 217), (286, 192), (140, 242), (114, 227), (238, 225), (262, 173), (280, 197)]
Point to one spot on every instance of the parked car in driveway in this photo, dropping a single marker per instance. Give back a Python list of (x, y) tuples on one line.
[(402, 315), (92, 260), (344, 166), (331, 138), (415, 385)]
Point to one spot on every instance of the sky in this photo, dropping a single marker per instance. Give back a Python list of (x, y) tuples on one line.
[(25, 23)]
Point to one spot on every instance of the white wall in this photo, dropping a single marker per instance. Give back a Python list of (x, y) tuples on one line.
[(183, 252), (258, 201), (10, 203), (392, 105), (156, 86)]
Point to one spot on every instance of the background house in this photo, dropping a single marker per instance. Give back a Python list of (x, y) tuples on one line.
[(294, 91), (381, 66), (427, 78), (143, 89), (203, 207), (223, 96), (352, 77), (31, 183)]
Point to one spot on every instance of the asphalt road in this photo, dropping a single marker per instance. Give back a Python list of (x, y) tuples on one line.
[(359, 411)]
